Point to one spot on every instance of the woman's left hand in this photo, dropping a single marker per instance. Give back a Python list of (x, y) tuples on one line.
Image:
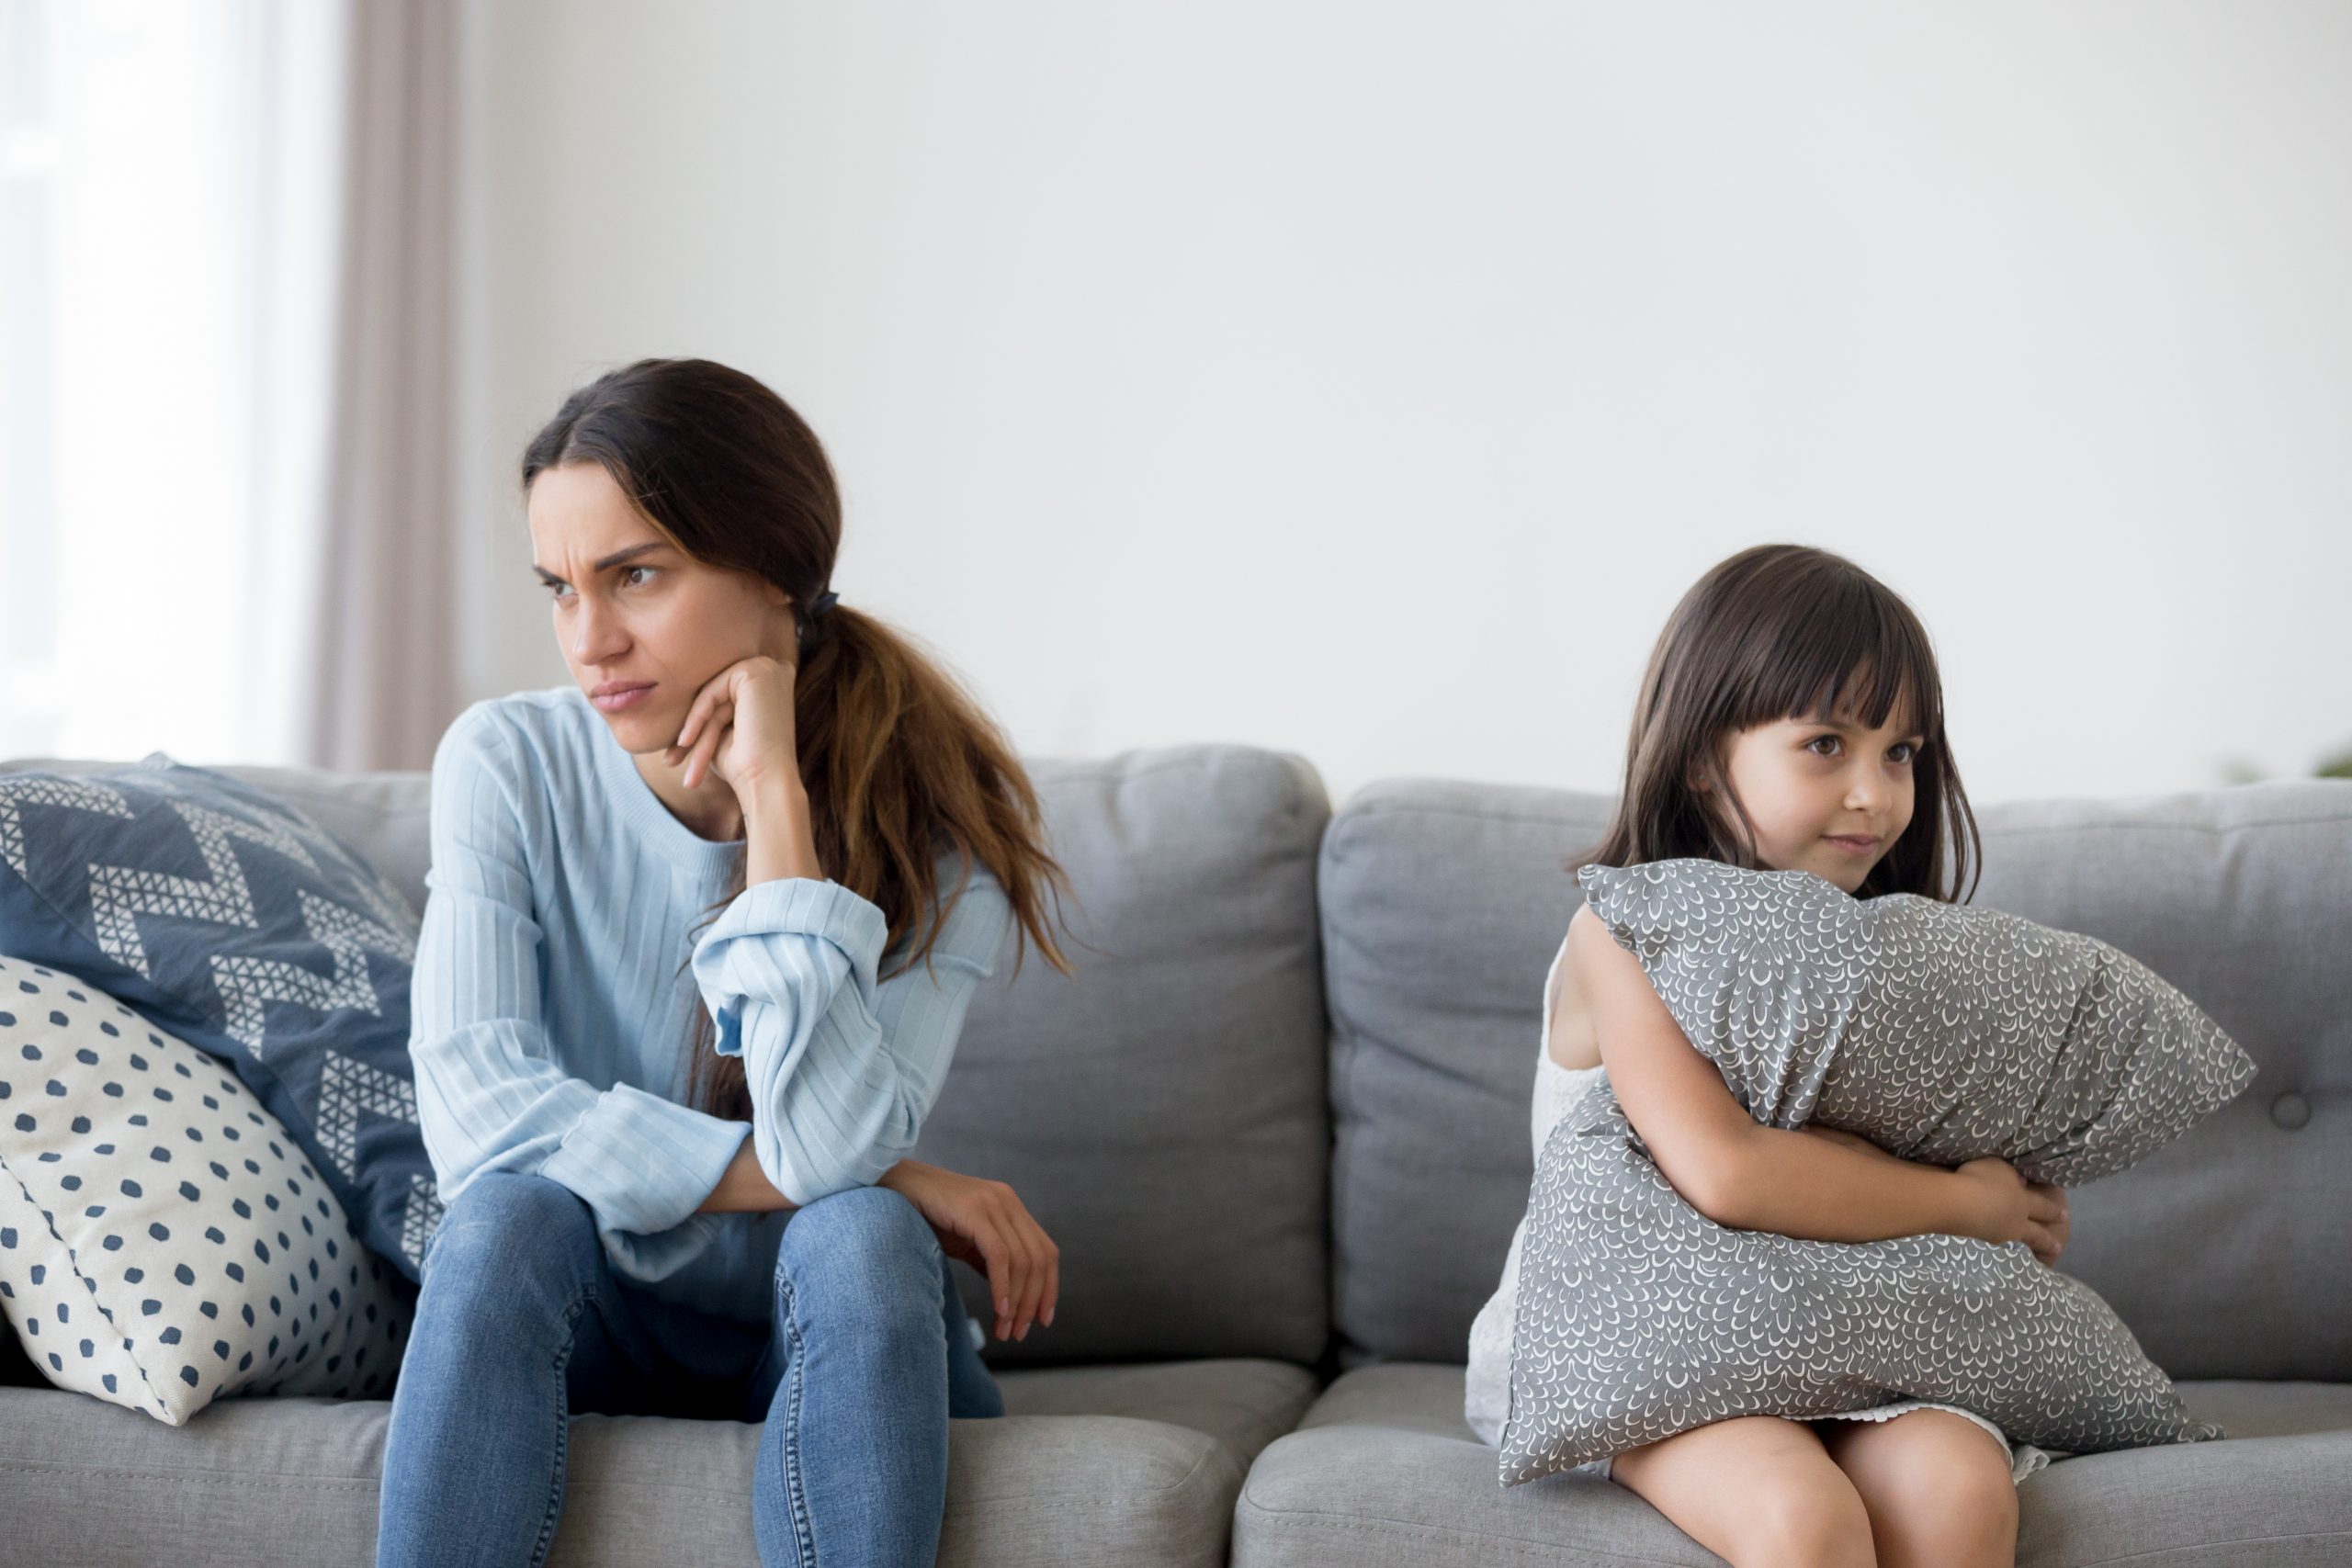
[(986, 1224), (740, 727)]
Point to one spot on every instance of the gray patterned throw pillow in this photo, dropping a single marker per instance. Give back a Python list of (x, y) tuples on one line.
[(1942, 1033)]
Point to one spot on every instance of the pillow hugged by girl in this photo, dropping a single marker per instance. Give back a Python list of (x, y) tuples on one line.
[(1791, 720)]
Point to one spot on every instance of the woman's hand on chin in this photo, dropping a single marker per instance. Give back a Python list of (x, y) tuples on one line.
[(740, 727)]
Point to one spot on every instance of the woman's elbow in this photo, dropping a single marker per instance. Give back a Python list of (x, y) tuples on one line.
[(804, 1170)]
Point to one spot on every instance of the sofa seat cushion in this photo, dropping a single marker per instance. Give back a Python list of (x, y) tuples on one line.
[(1382, 1471), (1245, 1405), (1077, 1473)]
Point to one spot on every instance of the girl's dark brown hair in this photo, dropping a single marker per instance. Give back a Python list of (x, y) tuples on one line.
[(900, 764), (1775, 631)]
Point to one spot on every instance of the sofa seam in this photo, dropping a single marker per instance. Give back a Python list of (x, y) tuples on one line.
[(285, 1480), (1305, 1519), (275, 1480), (1349, 818)]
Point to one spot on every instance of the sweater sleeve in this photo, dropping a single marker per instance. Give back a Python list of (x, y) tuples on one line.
[(490, 1094), (842, 1073)]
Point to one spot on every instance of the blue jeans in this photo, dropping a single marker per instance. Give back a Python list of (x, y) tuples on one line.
[(521, 1321)]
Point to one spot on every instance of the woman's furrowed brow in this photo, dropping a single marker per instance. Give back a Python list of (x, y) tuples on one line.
[(609, 561)]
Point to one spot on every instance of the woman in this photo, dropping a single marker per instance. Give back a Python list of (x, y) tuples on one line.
[(736, 742)]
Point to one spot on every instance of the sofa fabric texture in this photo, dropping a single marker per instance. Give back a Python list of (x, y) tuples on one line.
[(1277, 1121)]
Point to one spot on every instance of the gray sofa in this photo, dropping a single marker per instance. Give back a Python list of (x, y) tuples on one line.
[(1278, 1123)]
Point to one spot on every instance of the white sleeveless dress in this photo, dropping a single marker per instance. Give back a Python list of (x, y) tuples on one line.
[(1485, 1402)]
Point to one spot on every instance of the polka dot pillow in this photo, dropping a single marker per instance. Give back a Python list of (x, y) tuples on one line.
[(162, 1242)]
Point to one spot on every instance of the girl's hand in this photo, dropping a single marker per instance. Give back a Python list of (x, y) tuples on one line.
[(740, 727), (2010, 1207), (986, 1224)]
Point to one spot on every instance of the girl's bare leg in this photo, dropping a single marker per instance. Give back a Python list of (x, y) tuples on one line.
[(1937, 1487), (1757, 1491)]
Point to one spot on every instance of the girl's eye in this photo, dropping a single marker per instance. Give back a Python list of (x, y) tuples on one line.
[(1818, 740), (1910, 752)]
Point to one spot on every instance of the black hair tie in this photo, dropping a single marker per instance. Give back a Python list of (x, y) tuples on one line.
[(822, 604)]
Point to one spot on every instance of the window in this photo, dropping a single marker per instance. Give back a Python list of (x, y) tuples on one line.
[(136, 294)]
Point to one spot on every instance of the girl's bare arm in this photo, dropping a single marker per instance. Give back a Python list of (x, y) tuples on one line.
[(1727, 1165)]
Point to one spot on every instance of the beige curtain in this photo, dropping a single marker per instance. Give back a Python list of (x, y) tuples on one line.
[(375, 678)]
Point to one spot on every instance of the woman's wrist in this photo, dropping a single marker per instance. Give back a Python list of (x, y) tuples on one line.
[(778, 832), (744, 1188)]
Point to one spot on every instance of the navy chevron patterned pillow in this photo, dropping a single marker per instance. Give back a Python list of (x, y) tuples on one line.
[(230, 920)]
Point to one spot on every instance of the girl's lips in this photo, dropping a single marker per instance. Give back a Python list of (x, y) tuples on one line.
[(1856, 846), (619, 700)]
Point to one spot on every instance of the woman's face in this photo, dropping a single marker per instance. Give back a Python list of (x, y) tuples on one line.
[(633, 614), (1826, 796)]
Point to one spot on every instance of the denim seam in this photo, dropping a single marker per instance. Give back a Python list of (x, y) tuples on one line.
[(562, 1431), (788, 1440)]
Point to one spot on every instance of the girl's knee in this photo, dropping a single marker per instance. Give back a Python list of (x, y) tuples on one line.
[(1937, 1488), (1757, 1491), (1819, 1521), (1969, 1515)]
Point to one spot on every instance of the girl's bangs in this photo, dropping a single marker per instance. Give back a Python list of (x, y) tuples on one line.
[(1860, 663)]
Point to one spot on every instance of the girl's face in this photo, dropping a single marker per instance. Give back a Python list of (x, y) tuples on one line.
[(631, 611), (1826, 796)]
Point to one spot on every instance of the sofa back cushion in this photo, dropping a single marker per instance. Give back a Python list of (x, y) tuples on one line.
[(1163, 1113), (1443, 903)]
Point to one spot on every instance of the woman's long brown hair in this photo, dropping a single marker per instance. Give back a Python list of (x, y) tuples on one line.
[(900, 763), (1775, 631)]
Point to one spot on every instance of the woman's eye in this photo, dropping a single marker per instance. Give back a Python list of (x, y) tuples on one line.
[(632, 571), (555, 590)]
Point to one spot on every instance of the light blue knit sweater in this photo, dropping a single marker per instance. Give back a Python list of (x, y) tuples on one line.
[(553, 1003)]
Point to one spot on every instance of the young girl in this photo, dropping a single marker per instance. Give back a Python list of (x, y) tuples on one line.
[(1790, 719), (682, 1193)]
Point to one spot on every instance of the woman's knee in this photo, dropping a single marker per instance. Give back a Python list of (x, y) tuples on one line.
[(858, 1222), (507, 1227), (866, 1245)]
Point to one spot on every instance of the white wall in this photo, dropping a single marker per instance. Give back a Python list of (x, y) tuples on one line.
[(1368, 379)]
